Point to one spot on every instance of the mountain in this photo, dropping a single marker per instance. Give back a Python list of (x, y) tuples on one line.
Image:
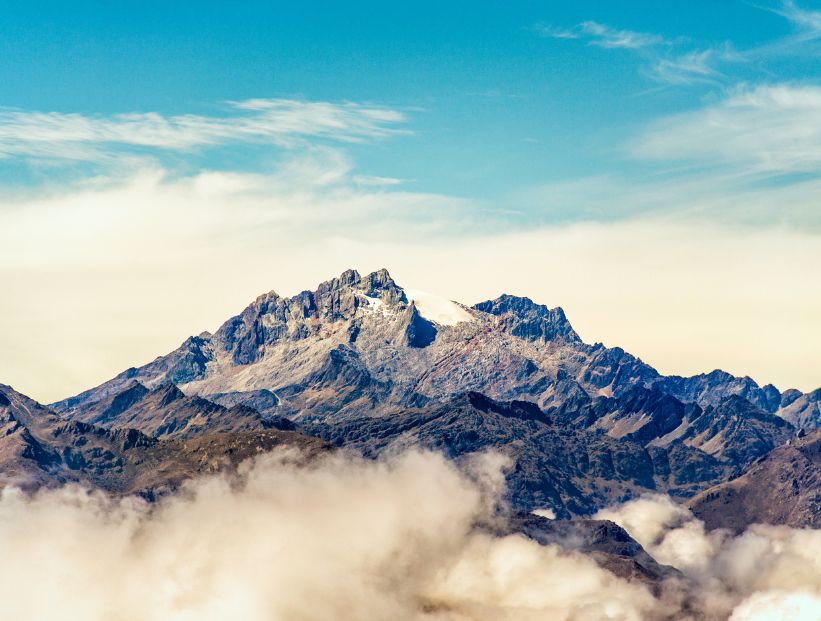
[(733, 430), (607, 543), (38, 448), (802, 410), (553, 465), (364, 345), (365, 364), (166, 412), (782, 487)]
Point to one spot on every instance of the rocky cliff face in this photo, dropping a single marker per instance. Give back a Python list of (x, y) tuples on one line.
[(711, 388), (803, 411), (530, 321), (166, 411)]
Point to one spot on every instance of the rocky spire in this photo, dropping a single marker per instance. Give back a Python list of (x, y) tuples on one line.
[(529, 320)]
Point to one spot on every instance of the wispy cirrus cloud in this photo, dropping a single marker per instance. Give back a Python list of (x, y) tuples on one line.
[(771, 130), (554, 32), (665, 63), (282, 122), (804, 40), (806, 21), (677, 61), (602, 35), (688, 68)]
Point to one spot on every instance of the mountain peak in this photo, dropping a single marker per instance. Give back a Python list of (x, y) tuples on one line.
[(167, 393), (529, 320), (349, 277), (409, 346), (378, 284), (381, 277)]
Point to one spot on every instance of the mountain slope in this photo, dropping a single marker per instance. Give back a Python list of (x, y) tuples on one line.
[(803, 411), (39, 448), (570, 471), (734, 430), (166, 411), (783, 487)]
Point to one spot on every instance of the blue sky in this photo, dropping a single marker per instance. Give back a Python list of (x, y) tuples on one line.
[(589, 151), (498, 96)]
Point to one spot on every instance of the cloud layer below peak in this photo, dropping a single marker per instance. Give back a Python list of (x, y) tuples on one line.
[(338, 537)]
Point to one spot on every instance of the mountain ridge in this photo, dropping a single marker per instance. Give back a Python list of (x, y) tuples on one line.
[(368, 328)]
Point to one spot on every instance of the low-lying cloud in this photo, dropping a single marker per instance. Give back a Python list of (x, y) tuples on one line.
[(341, 539), (344, 538), (768, 573)]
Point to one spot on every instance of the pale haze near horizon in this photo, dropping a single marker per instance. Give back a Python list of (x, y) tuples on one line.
[(639, 285)]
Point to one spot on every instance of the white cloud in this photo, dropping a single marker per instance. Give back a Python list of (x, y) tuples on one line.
[(606, 36), (278, 121), (677, 62), (375, 180), (339, 538), (689, 68), (808, 22), (763, 130), (602, 35), (661, 58), (779, 606), (554, 32), (768, 572), (545, 513)]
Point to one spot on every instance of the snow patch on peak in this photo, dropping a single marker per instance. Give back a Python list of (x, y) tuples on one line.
[(438, 310), (376, 305)]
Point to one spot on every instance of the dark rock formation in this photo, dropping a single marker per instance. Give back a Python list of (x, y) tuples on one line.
[(571, 471), (40, 449)]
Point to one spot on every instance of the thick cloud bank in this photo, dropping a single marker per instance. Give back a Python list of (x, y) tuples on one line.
[(769, 573), (339, 539), (347, 539)]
